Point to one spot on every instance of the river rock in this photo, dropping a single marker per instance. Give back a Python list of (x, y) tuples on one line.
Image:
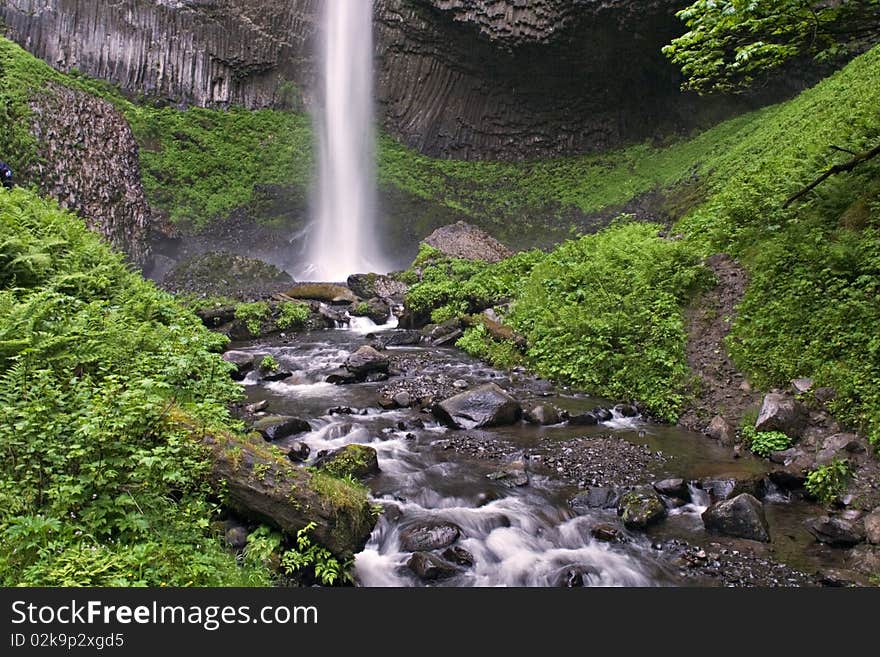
[(640, 508), (626, 410), (365, 361), (358, 461), (458, 555), (840, 445), (299, 451), (327, 292), (485, 406), (543, 415), (243, 362), (722, 488), (782, 413), (607, 533), (367, 286), (602, 414), (675, 487), (430, 567), (836, 532), (720, 430), (333, 318), (374, 309), (340, 377), (431, 536), (574, 576), (404, 338), (597, 497), (462, 240), (277, 427), (741, 517), (584, 420), (872, 527), (402, 399)]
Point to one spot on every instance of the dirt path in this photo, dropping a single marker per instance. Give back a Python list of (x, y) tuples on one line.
[(721, 390)]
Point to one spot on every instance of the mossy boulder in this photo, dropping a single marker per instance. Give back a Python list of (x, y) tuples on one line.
[(358, 461), (223, 274), (374, 309), (326, 292), (641, 508), (367, 286)]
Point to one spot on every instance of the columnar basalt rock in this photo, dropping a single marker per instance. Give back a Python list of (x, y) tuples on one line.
[(455, 78)]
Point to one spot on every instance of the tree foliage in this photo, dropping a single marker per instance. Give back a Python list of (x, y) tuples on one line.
[(730, 44)]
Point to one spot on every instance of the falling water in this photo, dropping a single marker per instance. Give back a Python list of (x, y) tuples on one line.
[(343, 238)]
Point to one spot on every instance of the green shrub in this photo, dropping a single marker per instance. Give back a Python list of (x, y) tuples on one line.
[(763, 443), (292, 314), (477, 342), (605, 313), (269, 364), (827, 482), (253, 315), (310, 556), (99, 485)]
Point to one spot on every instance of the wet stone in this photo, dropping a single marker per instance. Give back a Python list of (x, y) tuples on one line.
[(430, 567), (421, 538)]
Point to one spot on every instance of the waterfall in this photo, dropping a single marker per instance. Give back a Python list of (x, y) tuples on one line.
[(343, 238)]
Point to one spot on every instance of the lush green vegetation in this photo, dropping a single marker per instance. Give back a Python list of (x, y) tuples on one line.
[(764, 443), (253, 315), (292, 314), (99, 485), (828, 481)]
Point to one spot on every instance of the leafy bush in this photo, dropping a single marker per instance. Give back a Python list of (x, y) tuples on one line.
[(268, 363), (292, 314), (99, 485), (604, 313), (763, 443), (308, 555), (477, 342), (828, 481), (253, 315)]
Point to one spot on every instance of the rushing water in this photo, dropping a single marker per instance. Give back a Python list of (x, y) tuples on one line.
[(343, 239), (527, 536)]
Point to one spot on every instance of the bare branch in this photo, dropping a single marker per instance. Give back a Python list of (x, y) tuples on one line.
[(837, 168)]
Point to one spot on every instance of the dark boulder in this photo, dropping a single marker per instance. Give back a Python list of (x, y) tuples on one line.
[(741, 517), (298, 452), (596, 497), (486, 406), (365, 361), (405, 338), (607, 533), (782, 413), (626, 410), (675, 487), (236, 537), (374, 309), (243, 362), (368, 286), (574, 576), (584, 420), (458, 555), (462, 240), (640, 508), (543, 415), (430, 567), (340, 377), (277, 427), (429, 536), (836, 532), (358, 461)]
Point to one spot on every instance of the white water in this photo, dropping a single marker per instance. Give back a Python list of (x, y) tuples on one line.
[(343, 239)]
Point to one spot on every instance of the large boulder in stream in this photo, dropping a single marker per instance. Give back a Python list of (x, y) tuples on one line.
[(368, 286), (374, 309), (782, 413), (430, 567), (485, 406), (366, 361), (462, 240), (741, 517), (837, 532), (641, 508), (278, 427), (429, 536)]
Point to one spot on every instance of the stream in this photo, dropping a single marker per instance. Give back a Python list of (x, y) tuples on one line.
[(524, 535)]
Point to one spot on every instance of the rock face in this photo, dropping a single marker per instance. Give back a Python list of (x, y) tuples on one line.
[(455, 78), (742, 517), (461, 240), (486, 406), (75, 165), (782, 413)]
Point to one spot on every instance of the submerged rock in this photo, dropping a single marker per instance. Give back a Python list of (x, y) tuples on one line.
[(574, 576), (741, 517), (485, 406), (429, 536), (782, 413), (836, 532), (640, 508)]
